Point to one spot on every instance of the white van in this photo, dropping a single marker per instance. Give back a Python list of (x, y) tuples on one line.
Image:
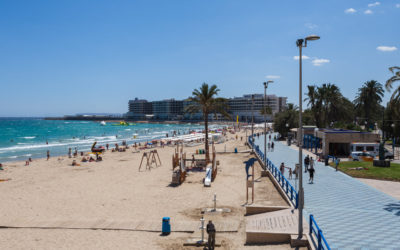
[(370, 147)]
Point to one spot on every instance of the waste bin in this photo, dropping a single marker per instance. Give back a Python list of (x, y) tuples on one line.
[(326, 160), (236, 150), (166, 227)]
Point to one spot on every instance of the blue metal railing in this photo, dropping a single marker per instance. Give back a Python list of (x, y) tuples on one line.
[(292, 194), (321, 241), (279, 177)]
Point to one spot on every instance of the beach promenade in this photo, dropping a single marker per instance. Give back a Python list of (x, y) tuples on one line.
[(351, 214)]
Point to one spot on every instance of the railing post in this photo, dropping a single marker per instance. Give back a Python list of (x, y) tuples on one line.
[(287, 187), (311, 217), (319, 247)]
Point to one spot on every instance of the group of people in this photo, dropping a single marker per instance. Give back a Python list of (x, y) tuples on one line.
[(308, 167)]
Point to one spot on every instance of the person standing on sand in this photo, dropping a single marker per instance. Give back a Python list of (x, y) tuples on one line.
[(211, 235), (1, 166), (69, 153), (48, 154)]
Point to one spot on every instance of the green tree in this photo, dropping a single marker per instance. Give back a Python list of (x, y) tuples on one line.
[(389, 83), (327, 104), (289, 116), (368, 100), (205, 100)]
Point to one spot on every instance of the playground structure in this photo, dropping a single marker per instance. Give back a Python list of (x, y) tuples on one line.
[(211, 169), (178, 166), (151, 159)]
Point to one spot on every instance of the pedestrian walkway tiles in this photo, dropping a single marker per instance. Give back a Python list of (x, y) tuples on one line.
[(351, 214)]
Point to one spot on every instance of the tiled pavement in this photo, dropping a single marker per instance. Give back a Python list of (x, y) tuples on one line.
[(351, 214)]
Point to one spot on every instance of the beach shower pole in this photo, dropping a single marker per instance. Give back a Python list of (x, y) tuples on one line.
[(202, 229), (265, 120), (300, 204)]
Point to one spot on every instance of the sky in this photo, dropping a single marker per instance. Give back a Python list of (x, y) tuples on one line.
[(67, 57)]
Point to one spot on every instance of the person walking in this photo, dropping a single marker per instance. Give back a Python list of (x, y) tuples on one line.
[(282, 168), (269, 146), (69, 153), (290, 173), (311, 163), (311, 172), (337, 161), (211, 235), (306, 163), (48, 154), (272, 146)]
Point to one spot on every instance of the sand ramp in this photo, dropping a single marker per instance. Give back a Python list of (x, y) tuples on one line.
[(107, 224)]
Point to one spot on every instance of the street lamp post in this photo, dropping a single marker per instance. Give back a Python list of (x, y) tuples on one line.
[(252, 121), (265, 119), (393, 141), (299, 44)]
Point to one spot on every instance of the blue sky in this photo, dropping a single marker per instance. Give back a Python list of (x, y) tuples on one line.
[(66, 57)]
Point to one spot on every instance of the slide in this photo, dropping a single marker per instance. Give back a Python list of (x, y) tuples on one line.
[(207, 180)]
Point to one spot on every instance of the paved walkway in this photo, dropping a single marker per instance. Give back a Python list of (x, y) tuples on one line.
[(351, 214)]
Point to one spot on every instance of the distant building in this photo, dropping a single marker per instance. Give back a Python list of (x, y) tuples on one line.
[(172, 109), (242, 107), (138, 109)]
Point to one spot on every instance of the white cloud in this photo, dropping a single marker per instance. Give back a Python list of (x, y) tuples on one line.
[(320, 61), (386, 48), (304, 57), (350, 11), (368, 12), (272, 77), (398, 5), (374, 4), (311, 25)]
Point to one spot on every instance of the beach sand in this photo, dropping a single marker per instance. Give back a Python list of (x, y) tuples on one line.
[(105, 193)]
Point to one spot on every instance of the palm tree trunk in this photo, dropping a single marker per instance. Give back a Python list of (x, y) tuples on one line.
[(206, 139)]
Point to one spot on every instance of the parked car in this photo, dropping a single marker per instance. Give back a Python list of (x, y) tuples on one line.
[(361, 156)]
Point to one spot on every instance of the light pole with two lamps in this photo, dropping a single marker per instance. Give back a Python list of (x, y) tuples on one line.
[(300, 44)]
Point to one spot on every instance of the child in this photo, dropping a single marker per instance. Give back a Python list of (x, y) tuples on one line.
[(290, 173)]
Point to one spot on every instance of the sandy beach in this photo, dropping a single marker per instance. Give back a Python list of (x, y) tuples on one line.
[(114, 191)]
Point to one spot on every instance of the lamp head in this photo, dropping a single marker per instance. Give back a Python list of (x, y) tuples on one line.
[(270, 81), (312, 38)]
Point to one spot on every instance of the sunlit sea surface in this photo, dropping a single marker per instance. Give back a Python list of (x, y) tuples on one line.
[(21, 138)]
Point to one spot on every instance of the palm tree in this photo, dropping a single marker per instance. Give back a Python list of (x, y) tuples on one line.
[(368, 99), (204, 100), (314, 102), (389, 84)]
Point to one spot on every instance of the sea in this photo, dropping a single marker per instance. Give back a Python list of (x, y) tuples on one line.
[(23, 138)]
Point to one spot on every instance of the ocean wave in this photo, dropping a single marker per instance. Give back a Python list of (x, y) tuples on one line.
[(28, 155), (28, 137), (128, 129), (12, 157)]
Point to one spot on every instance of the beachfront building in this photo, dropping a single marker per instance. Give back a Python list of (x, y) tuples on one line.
[(169, 109), (243, 108), (138, 109)]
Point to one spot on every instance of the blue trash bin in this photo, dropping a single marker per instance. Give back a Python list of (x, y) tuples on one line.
[(166, 226), (236, 150)]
